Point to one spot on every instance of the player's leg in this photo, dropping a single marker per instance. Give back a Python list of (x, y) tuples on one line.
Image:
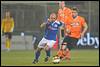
[(7, 42), (38, 51), (47, 48), (71, 44), (60, 53), (68, 55), (37, 55), (66, 42), (69, 41)]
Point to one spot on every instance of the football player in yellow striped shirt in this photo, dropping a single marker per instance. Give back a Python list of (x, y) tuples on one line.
[(7, 27)]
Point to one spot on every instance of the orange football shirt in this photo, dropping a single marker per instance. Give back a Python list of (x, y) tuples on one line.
[(63, 13), (75, 25)]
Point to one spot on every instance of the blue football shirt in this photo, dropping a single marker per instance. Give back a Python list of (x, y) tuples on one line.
[(51, 30)]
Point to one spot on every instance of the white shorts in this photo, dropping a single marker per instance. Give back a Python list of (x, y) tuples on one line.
[(44, 41)]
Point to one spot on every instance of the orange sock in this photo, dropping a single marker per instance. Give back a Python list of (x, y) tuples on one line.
[(68, 55)]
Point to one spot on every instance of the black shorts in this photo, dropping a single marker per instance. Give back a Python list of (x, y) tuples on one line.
[(71, 42), (8, 34)]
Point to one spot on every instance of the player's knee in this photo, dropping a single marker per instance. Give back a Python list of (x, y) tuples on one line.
[(46, 47), (39, 49)]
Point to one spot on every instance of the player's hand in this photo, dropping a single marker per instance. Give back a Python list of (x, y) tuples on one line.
[(82, 35), (68, 31), (49, 20), (61, 27), (42, 25)]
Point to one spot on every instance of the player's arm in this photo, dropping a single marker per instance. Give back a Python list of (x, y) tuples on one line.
[(67, 27), (2, 26), (58, 16), (61, 29), (43, 24), (12, 22), (84, 30)]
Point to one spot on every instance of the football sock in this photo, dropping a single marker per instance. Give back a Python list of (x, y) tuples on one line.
[(8, 43), (68, 54), (48, 53), (37, 54)]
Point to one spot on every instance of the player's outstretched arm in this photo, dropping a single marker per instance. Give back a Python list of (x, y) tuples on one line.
[(84, 30), (42, 25)]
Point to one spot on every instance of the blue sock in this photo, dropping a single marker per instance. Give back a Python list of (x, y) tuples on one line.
[(48, 53), (37, 54)]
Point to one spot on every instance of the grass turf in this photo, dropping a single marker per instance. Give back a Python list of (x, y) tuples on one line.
[(25, 58)]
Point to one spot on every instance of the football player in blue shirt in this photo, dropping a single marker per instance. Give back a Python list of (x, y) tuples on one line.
[(49, 38)]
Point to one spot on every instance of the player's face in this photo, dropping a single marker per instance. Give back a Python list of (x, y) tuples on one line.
[(74, 13), (63, 47), (62, 4), (53, 17), (7, 14)]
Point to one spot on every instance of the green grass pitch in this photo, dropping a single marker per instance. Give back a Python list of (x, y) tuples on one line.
[(25, 58)]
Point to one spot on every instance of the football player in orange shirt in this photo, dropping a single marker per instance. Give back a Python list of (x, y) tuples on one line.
[(75, 28), (63, 53), (63, 12)]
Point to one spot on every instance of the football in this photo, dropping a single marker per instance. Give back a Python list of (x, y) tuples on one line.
[(56, 60)]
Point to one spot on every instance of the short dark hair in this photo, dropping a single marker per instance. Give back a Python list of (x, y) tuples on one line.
[(75, 8)]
